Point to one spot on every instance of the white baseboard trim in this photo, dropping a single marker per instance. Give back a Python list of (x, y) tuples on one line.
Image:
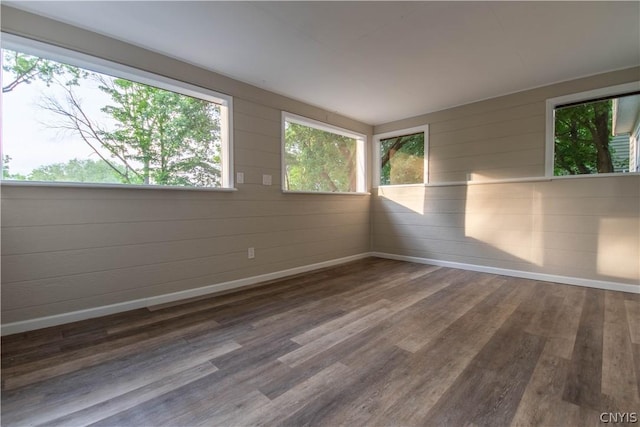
[(74, 316), (90, 313), (567, 280)]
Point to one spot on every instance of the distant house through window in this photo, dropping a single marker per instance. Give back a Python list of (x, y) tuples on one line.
[(597, 135), (626, 131)]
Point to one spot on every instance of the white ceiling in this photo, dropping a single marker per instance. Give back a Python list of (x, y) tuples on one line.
[(375, 61)]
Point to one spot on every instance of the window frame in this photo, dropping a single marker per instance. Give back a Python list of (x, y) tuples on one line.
[(550, 123), (118, 70), (377, 168), (361, 155)]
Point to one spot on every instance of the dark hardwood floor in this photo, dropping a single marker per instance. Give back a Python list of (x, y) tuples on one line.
[(373, 343)]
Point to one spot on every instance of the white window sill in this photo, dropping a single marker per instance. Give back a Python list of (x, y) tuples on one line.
[(400, 185), (512, 180), (337, 193), (88, 185), (596, 175)]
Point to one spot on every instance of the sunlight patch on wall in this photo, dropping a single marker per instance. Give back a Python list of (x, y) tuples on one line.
[(409, 197), (504, 223), (475, 176), (618, 252), (537, 225)]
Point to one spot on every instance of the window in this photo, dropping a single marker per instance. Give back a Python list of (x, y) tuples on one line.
[(594, 132), (402, 157), (68, 117), (321, 158)]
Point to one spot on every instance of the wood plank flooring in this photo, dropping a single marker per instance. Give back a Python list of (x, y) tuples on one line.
[(371, 343)]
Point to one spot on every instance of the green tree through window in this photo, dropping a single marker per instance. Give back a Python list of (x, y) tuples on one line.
[(402, 159), (582, 135), (318, 160), (583, 139), (142, 135)]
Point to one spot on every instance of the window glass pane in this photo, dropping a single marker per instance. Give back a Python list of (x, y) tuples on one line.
[(402, 159), (65, 123), (318, 160), (597, 137)]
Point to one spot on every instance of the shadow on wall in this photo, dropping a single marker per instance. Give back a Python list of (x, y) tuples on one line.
[(586, 228)]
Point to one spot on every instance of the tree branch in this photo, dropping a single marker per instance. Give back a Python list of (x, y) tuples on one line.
[(78, 121), (398, 144), (22, 77)]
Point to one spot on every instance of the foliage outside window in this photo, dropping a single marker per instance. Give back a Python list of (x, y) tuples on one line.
[(597, 136), (320, 158), (64, 123), (401, 157)]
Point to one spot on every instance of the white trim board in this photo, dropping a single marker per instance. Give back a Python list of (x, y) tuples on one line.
[(567, 280), (90, 313)]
